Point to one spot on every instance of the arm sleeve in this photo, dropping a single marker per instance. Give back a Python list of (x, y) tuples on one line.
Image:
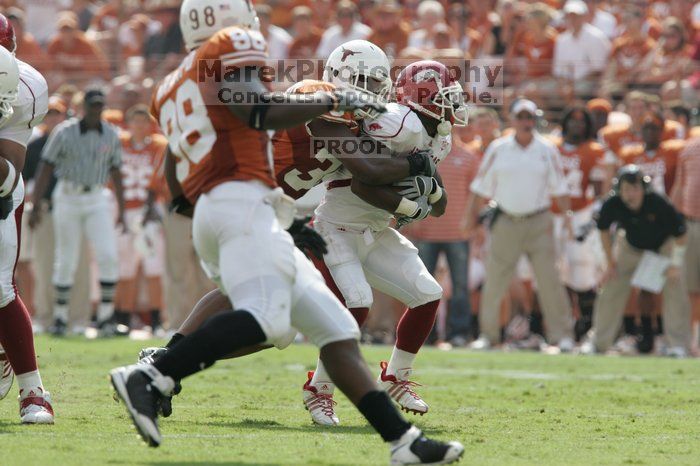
[(556, 182), (53, 148), (604, 218), (116, 155), (484, 183)]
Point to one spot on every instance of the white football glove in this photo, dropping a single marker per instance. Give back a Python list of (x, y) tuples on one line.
[(417, 186), (444, 128), (346, 100), (423, 210)]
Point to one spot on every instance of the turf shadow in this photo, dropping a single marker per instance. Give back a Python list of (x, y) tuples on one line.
[(257, 424)]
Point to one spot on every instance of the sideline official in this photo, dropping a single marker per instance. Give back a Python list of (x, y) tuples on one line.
[(84, 153), (650, 223), (522, 173)]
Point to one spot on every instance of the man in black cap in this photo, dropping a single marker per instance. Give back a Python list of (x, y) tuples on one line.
[(84, 153), (646, 221)]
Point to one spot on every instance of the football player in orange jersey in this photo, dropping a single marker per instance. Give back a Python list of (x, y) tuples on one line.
[(583, 161), (141, 247), (238, 232), (656, 157)]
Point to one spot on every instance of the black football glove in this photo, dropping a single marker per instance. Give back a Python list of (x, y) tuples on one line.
[(180, 205), (307, 239), (421, 163), (149, 356), (5, 207)]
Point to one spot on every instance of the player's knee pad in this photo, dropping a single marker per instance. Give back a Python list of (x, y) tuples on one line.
[(351, 281), (7, 294), (425, 288)]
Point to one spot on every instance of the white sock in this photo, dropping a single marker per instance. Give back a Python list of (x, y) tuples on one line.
[(400, 360), (29, 381), (695, 334), (320, 375), (105, 311), (60, 311)]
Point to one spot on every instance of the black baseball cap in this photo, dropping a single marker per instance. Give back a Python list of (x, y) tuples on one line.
[(94, 96)]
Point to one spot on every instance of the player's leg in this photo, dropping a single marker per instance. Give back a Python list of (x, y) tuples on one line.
[(318, 314), (68, 233), (152, 264), (126, 290), (16, 335), (342, 270), (101, 232), (393, 267), (243, 249)]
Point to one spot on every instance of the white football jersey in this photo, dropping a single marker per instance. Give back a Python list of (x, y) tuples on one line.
[(400, 129), (30, 107)]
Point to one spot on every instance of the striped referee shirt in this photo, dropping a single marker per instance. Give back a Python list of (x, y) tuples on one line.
[(81, 155)]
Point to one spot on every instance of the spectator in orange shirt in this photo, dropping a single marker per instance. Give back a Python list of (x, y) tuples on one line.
[(390, 32), (534, 45), (306, 35), (599, 110), (75, 58), (444, 235), (628, 51), (669, 60), (468, 38), (28, 49)]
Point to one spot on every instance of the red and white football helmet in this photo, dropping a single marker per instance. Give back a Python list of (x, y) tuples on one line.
[(427, 87), (7, 34)]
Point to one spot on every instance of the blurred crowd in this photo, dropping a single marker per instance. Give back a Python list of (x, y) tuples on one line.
[(617, 59)]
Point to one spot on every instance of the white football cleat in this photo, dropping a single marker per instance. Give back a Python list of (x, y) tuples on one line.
[(481, 344), (400, 389), (318, 400), (35, 407), (415, 448), (6, 375)]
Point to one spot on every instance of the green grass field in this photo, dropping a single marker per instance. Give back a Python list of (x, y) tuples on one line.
[(507, 408)]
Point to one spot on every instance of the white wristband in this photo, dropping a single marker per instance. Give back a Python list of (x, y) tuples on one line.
[(677, 255), (9, 183), (406, 207), (436, 196)]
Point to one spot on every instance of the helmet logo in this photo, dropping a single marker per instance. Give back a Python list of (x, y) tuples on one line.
[(426, 75), (375, 127), (347, 53)]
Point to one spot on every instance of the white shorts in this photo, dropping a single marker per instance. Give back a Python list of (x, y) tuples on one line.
[(384, 260), (9, 245), (142, 245), (254, 262), (578, 261)]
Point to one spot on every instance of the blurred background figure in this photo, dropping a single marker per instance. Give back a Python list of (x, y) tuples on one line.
[(348, 27)]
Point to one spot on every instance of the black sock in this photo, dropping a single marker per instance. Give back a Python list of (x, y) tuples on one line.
[(174, 339), (630, 325), (646, 342), (155, 318), (380, 412), (536, 323), (122, 317), (659, 325), (475, 326), (220, 335)]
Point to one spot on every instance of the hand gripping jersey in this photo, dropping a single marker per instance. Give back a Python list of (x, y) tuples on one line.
[(139, 164), (402, 132), (660, 164), (578, 162), (30, 107), (298, 165), (212, 146)]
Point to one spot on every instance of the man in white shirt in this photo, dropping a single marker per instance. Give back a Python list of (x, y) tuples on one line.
[(347, 28), (278, 40), (581, 52), (602, 19), (521, 173)]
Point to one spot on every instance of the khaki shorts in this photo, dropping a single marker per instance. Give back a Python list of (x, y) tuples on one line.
[(692, 257)]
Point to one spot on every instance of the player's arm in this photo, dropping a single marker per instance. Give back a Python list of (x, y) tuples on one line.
[(180, 204), (275, 110), (11, 165), (378, 168)]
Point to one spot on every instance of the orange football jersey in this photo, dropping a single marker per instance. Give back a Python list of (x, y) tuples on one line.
[(578, 163), (616, 137), (139, 164), (211, 145), (298, 165), (660, 164)]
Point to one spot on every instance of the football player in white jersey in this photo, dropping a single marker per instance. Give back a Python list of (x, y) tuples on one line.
[(23, 104), (364, 252)]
